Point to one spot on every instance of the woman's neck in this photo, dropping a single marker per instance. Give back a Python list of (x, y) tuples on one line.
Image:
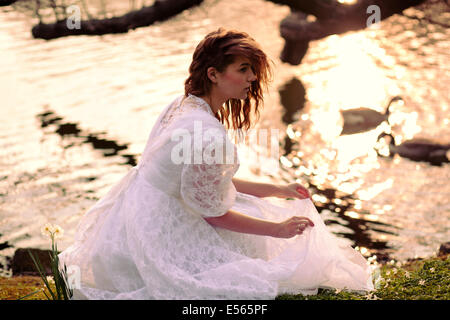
[(215, 101)]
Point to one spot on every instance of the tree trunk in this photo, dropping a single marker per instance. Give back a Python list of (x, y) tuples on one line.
[(161, 10)]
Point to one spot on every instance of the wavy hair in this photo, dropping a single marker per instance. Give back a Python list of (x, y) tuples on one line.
[(220, 49)]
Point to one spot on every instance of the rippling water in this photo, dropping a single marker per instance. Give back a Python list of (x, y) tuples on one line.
[(78, 110)]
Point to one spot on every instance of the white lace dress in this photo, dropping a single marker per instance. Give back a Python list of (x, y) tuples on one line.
[(147, 239)]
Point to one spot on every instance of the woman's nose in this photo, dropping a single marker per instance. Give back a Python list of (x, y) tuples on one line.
[(252, 76)]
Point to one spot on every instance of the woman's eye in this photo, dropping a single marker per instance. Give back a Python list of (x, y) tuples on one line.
[(243, 69)]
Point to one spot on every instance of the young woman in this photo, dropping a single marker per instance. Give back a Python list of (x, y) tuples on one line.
[(179, 226)]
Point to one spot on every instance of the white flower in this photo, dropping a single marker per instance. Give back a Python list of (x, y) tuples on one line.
[(422, 282), (395, 270), (407, 274), (371, 296), (47, 230), (432, 270), (52, 231), (58, 232), (338, 290), (50, 279)]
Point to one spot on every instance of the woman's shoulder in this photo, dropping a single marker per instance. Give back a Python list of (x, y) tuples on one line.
[(194, 103), (191, 110)]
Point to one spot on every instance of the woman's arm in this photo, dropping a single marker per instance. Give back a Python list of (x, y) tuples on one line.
[(294, 190), (238, 222), (257, 189)]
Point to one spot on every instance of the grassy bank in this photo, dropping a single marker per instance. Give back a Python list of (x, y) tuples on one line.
[(427, 279), (414, 280)]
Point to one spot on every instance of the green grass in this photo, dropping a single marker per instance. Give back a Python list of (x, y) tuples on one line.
[(427, 279)]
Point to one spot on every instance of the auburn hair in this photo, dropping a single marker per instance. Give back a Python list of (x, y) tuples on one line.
[(219, 49)]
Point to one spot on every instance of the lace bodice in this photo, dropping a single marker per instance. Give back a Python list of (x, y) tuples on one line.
[(201, 178), (187, 104)]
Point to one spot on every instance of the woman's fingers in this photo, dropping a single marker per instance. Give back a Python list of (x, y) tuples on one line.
[(293, 226), (306, 220), (303, 191)]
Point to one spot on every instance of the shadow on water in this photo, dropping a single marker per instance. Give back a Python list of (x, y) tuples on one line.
[(341, 204), (293, 98), (341, 207), (342, 211), (72, 132)]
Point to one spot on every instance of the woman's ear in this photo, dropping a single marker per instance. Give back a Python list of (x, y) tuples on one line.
[(211, 72)]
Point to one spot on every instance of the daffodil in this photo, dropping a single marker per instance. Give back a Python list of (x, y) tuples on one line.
[(58, 279), (52, 231), (47, 230), (58, 232)]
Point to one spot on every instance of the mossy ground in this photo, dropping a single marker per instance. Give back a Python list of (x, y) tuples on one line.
[(427, 279), (14, 288)]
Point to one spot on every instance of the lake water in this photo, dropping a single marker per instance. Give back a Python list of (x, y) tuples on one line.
[(77, 112)]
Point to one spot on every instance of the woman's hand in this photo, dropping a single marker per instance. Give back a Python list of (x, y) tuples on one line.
[(292, 227), (292, 190)]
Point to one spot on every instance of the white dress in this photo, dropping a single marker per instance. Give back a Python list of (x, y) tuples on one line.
[(147, 239)]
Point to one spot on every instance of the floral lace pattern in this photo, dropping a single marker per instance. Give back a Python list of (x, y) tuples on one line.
[(190, 102), (207, 189)]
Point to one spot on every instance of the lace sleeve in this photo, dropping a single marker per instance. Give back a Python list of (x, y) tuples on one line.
[(207, 189)]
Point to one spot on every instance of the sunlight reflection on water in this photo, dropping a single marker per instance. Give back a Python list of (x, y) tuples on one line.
[(114, 86)]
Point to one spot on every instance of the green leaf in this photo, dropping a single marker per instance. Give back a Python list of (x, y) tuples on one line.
[(41, 272), (30, 294)]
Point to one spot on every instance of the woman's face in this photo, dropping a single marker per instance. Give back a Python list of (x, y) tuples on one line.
[(235, 81)]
